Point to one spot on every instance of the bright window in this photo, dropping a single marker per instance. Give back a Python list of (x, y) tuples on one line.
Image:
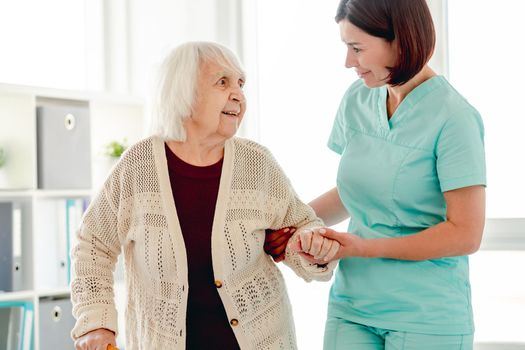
[(53, 43), (485, 61), (486, 55), (498, 296)]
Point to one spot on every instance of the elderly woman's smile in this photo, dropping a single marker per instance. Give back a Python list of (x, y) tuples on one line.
[(231, 113)]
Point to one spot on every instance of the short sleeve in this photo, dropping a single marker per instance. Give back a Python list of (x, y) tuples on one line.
[(460, 152), (337, 140)]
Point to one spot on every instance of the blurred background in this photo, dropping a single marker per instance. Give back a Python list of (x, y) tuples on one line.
[(294, 58)]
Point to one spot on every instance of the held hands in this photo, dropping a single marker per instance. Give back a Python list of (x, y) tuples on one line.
[(321, 245), (311, 241), (99, 339), (315, 247), (351, 244)]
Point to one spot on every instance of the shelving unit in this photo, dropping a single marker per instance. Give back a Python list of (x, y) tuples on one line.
[(47, 218)]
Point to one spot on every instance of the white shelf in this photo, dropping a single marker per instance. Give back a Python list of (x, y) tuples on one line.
[(18, 296), (62, 292), (44, 212), (99, 97), (45, 193), (62, 193), (15, 193)]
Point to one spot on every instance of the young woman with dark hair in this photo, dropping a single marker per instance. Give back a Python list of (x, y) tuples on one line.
[(412, 180)]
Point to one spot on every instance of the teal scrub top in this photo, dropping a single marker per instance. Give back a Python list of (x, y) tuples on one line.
[(391, 179)]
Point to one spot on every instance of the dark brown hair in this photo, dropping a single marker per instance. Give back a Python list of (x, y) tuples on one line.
[(408, 22)]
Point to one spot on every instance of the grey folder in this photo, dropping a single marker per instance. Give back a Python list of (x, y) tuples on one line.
[(56, 323), (6, 247), (10, 247), (64, 148), (11, 327)]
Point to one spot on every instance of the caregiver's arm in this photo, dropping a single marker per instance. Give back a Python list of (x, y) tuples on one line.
[(329, 207), (459, 235)]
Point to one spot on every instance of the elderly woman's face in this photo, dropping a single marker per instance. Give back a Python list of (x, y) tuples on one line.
[(368, 55), (220, 104)]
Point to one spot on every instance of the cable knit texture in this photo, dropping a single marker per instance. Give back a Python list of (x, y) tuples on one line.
[(134, 213)]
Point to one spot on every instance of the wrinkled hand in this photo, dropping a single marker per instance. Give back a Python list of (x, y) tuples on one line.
[(315, 247), (351, 244), (99, 339), (276, 241)]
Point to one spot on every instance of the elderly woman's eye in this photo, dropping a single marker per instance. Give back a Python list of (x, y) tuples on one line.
[(241, 83), (222, 82)]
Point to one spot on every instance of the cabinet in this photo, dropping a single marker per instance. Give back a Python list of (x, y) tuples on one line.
[(53, 142)]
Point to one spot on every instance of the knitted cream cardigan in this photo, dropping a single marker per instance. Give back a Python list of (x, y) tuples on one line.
[(135, 213)]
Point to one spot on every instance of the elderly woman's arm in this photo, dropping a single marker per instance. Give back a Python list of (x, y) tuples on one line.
[(303, 217), (94, 259), (294, 213)]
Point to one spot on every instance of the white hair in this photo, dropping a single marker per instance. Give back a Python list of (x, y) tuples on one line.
[(177, 84)]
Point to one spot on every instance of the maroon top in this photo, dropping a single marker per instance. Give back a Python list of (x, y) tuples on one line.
[(195, 191)]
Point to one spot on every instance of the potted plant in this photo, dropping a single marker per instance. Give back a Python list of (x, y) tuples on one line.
[(108, 157), (2, 157), (3, 172), (114, 149)]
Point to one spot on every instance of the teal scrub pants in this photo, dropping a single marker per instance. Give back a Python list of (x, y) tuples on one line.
[(345, 335)]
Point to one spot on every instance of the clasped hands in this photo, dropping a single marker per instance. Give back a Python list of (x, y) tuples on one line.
[(318, 245), (312, 245)]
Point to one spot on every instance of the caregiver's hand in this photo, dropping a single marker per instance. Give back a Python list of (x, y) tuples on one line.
[(315, 247), (351, 244)]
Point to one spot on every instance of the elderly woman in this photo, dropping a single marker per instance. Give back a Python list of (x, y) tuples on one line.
[(189, 207)]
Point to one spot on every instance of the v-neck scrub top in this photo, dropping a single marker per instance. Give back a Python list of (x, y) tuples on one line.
[(391, 179)]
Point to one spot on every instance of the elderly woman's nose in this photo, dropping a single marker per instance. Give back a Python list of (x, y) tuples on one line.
[(237, 95)]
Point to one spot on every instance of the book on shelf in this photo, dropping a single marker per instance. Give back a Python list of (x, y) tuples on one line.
[(55, 235), (16, 325), (11, 268)]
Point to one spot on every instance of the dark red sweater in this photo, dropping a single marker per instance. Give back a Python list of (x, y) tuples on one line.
[(195, 192)]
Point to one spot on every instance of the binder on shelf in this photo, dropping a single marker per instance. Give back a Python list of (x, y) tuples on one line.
[(55, 323), (57, 223), (11, 268), (16, 325), (63, 147)]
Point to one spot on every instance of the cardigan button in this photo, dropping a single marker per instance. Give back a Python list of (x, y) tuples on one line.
[(218, 284), (234, 322)]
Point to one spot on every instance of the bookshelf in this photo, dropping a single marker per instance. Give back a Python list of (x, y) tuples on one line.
[(45, 214)]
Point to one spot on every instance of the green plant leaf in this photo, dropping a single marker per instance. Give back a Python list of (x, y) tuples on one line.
[(115, 149), (2, 157)]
